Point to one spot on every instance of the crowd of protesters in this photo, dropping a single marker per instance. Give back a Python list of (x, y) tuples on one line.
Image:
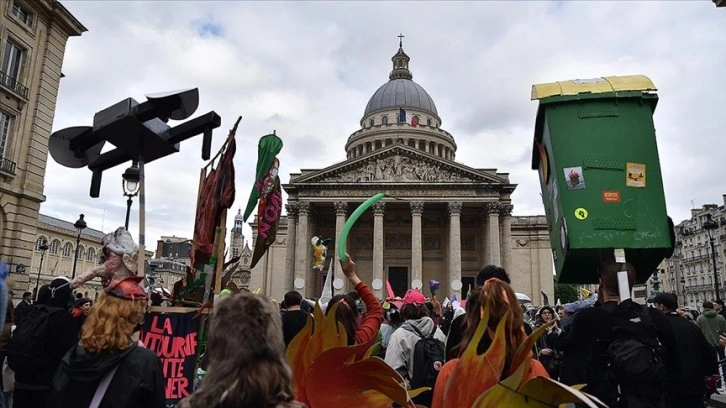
[(94, 361)]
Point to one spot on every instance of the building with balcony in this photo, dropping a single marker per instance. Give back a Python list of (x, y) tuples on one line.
[(165, 272), (174, 248), (33, 36), (689, 272)]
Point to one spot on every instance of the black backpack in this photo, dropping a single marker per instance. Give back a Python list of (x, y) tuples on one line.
[(28, 349), (429, 355), (636, 358)]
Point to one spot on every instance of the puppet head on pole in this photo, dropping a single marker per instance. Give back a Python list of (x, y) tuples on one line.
[(118, 259)]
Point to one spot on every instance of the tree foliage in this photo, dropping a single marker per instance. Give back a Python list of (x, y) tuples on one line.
[(565, 292)]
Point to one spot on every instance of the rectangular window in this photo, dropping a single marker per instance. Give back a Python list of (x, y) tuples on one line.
[(12, 60), (5, 122), (22, 14)]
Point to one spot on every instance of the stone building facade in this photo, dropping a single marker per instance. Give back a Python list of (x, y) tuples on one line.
[(33, 36), (174, 248), (440, 219), (60, 237), (689, 272)]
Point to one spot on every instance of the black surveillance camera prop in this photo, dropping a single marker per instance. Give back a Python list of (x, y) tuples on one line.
[(139, 131)]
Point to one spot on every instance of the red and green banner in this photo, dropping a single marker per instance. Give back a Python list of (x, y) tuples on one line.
[(267, 190)]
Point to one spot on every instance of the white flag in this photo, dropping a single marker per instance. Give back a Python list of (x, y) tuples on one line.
[(327, 293)]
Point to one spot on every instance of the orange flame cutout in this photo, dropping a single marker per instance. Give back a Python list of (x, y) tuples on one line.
[(329, 374), (475, 382)]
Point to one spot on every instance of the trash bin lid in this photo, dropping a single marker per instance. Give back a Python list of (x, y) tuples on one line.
[(592, 86)]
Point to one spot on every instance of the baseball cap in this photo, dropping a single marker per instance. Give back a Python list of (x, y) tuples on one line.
[(669, 300), (414, 296)]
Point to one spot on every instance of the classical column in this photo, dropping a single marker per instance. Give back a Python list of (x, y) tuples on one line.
[(341, 210), (484, 236), (493, 235), (505, 212), (302, 247), (416, 241), (378, 209), (292, 210), (455, 244)]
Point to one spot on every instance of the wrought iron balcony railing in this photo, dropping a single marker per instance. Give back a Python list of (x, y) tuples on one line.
[(14, 85), (7, 166)]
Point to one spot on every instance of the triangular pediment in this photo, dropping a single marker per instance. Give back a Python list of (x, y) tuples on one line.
[(398, 164)]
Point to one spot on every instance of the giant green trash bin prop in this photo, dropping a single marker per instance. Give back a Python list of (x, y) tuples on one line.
[(595, 149)]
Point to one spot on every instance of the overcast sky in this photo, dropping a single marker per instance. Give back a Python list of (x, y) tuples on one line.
[(307, 71)]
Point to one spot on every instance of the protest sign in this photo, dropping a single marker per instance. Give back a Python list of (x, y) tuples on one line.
[(173, 337)]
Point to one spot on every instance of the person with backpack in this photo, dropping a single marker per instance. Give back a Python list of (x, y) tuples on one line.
[(614, 347), (108, 368), (38, 345), (416, 349)]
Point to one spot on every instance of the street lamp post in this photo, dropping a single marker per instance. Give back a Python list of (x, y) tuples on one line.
[(43, 247), (710, 225), (80, 226), (130, 186)]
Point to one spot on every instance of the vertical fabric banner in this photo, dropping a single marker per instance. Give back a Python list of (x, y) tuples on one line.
[(173, 337), (268, 147), (268, 213), (267, 191)]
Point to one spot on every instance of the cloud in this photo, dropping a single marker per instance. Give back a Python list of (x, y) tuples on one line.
[(307, 69)]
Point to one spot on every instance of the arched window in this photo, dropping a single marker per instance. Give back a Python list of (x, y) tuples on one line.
[(54, 247), (80, 252), (90, 255), (372, 122), (39, 242), (428, 122), (67, 249), (418, 120), (384, 120)]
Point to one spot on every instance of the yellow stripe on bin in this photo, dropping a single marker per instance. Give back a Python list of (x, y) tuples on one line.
[(594, 85)]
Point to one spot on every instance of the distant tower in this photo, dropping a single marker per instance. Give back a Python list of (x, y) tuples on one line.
[(238, 240)]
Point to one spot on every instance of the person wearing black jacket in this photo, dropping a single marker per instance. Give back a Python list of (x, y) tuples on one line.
[(23, 308), (586, 341), (32, 388), (106, 350), (689, 356), (293, 319)]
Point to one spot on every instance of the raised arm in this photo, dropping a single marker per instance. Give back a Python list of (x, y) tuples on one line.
[(374, 312)]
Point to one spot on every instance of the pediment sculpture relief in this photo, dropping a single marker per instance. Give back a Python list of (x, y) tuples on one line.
[(397, 169)]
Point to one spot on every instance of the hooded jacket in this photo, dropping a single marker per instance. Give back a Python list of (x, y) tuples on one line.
[(711, 323), (399, 354), (138, 381), (63, 332)]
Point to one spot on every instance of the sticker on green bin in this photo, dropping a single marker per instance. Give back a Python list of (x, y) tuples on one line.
[(611, 196), (635, 175), (581, 214), (575, 178)]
